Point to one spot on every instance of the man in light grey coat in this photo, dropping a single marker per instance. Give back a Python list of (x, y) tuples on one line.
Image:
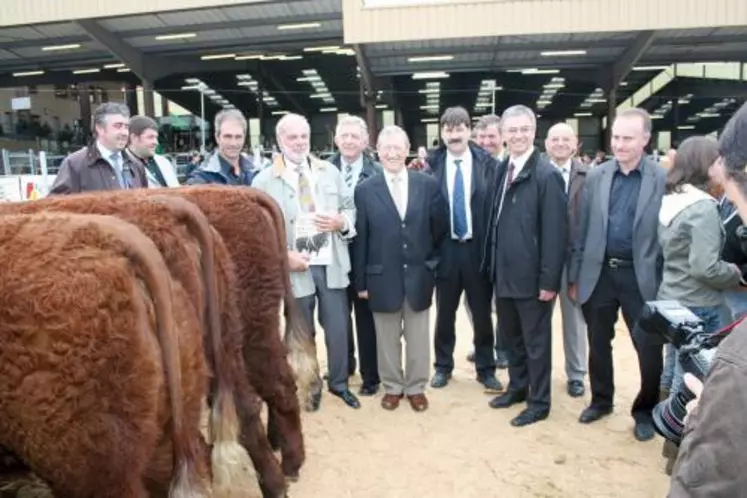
[(616, 262), (307, 189)]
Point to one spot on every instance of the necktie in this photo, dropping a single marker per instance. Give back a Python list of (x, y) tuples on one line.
[(399, 199), (458, 208), (114, 160), (305, 198), (510, 173), (566, 177), (349, 175)]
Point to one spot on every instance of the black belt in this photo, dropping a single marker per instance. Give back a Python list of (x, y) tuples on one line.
[(615, 263), (461, 241)]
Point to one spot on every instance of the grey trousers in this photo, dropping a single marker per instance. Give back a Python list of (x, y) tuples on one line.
[(414, 326), (333, 315), (574, 334)]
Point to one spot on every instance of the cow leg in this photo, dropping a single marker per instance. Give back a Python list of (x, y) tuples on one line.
[(273, 432), (253, 438)]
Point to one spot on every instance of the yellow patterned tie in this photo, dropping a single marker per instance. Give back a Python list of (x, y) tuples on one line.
[(304, 192)]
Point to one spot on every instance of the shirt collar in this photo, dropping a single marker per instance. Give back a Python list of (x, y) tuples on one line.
[(402, 174), (106, 153), (566, 165), (464, 157), (519, 161), (357, 164)]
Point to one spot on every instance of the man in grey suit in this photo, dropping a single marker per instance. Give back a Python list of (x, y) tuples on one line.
[(616, 259), (561, 144)]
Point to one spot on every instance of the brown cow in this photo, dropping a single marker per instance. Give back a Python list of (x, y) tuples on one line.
[(92, 372), (182, 235), (253, 230)]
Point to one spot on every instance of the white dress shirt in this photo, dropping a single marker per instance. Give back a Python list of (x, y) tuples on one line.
[(451, 170), (565, 172), (291, 176), (357, 169), (404, 183), (520, 161)]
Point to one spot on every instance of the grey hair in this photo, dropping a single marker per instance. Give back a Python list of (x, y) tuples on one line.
[(488, 120), (229, 115), (391, 130), (107, 109), (352, 120), (732, 144), (642, 114), (519, 110), (283, 122)]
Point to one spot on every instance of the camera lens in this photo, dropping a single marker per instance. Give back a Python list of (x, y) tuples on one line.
[(669, 415)]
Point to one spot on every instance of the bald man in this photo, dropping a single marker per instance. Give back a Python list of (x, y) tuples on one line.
[(561, 145)]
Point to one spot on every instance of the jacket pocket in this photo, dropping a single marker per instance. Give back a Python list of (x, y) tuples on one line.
[(374, 269)]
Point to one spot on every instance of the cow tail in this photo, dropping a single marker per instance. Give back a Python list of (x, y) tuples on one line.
[(298, 338), (227, 456), (186, 482)]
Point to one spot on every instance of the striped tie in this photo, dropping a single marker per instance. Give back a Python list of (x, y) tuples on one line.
[(349, 175), (305, 198)]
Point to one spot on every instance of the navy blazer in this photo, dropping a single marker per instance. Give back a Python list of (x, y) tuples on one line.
[(484, 168), (397, 259)]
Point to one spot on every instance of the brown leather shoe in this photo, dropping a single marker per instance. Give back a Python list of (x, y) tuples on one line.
[(418, 402), (390, 401)]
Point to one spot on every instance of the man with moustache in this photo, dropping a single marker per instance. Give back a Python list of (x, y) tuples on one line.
[(528, 232), (561, 144), (464, 172), (227, 166), (304, 185), (101, 165), (616, 262), (351, 138), (142, 148), (402, 219)]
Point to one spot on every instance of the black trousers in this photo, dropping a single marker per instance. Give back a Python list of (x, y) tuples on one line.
[(366, 335), (650, 349), (526, 328), (616, 289), (465, 276)]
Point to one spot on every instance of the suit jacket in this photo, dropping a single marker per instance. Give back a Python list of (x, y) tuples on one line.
[(576, 183), (523, 252), (590, 244), (397, 259), (370, 169), (484, 169), (85, 170)]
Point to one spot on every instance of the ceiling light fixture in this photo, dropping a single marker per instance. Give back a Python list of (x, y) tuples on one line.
[(61, 47), (431, 58), (28, 73), (177, 36), (218, 56), (551, 53), (86, 71), (430, 75), (307, 25)]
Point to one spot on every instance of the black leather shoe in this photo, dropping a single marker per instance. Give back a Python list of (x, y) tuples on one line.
[(492, 384), (471, 357), (508, 399), (369, 389), (593, 413), (440, 379), (529, 416), (644, 431), (575, 388), (348, 397)]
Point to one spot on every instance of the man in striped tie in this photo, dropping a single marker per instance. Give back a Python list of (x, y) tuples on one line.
[(351, 138), (464, 172)]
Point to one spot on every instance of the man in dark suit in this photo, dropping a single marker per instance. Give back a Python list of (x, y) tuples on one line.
[(464, 172), (525, 256), (616, 259), (561, 144), (351, 138), (401, 221)]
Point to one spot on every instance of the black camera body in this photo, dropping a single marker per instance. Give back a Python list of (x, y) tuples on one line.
[(680, 327)]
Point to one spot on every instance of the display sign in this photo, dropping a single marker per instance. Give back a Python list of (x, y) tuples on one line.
[(10, 189), (33, 187)]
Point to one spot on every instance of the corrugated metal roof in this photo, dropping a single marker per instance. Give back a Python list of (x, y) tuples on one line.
[(15, 34), (58, 29), (36, 52), (5, 55), (684, 33)]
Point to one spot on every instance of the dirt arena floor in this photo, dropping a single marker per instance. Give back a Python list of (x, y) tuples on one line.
[(461, 448)]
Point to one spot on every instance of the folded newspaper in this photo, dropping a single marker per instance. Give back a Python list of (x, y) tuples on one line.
[(309, 240)]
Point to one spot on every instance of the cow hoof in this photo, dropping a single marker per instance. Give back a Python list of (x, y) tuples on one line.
[(292, 477)]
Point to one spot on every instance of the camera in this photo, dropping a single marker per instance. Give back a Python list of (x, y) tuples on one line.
[(679, 326)]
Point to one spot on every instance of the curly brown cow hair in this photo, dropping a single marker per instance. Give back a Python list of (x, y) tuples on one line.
[(176, 225), (98, 394), (252, 227)]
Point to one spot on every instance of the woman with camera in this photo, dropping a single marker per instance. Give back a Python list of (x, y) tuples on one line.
[(691, 237)]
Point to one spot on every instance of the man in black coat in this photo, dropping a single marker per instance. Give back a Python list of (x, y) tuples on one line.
[(524, 256), (464, 172), (401, 222), (351, 137)]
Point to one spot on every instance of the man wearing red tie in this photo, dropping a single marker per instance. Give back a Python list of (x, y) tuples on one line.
[(524, 256), (402, 219)]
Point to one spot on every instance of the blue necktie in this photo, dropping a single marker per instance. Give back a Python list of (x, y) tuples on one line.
[(458, 207)]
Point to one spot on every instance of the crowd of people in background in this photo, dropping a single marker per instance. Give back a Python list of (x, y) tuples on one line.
[(486, 215)]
